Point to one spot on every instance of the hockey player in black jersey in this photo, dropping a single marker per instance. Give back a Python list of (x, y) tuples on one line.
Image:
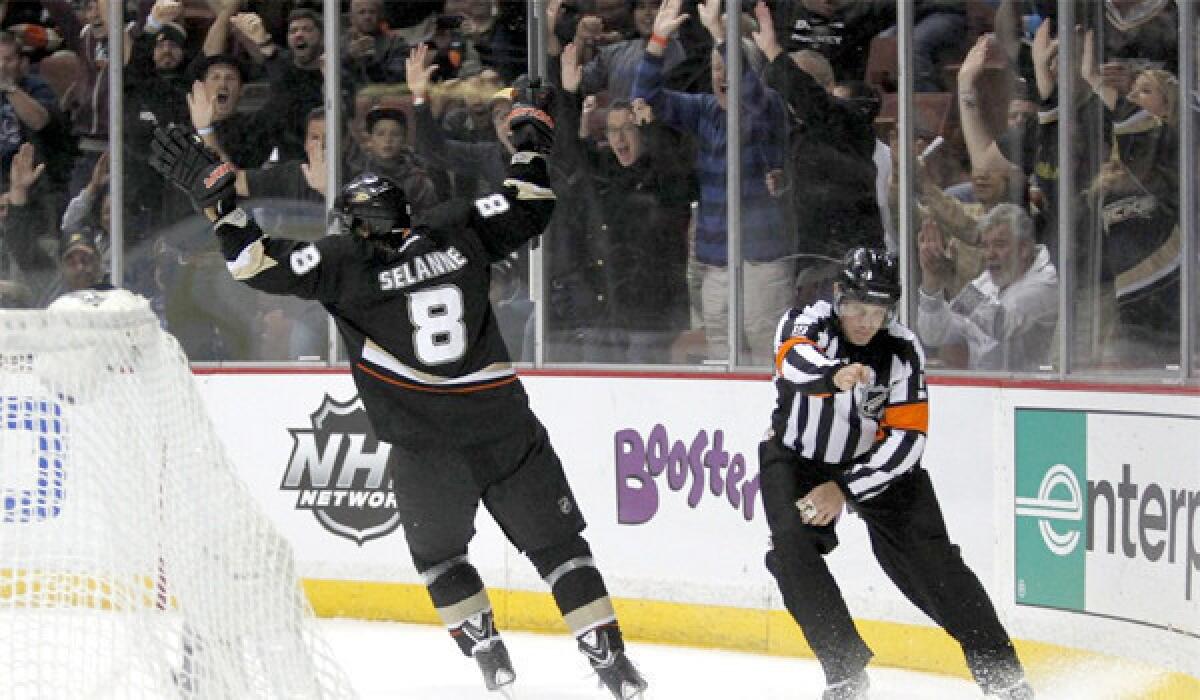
[(411, 303), (848, 430)]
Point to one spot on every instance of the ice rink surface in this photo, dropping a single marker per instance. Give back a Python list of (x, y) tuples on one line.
[(420, 662)]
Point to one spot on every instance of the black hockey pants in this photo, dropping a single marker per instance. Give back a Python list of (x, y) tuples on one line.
[(909, 539)]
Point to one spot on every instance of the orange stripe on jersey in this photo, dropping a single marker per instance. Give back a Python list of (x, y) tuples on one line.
[(787, 346), (910, 416), (434, 389)]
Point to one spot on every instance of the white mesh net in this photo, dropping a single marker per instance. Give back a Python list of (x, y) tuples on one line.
[(133, 561)]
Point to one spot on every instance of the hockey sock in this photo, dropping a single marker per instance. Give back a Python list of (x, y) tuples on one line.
[(461, 601), (575, 582)]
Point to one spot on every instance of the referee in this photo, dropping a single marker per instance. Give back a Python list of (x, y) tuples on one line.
[(848, 429)]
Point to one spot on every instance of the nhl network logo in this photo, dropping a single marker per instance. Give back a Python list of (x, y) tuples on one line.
[(339, 470)]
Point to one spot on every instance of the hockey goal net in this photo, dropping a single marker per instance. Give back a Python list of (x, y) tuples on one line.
[(133, 561)]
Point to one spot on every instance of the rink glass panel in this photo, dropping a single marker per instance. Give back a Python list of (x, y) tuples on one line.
[(1121, 316)]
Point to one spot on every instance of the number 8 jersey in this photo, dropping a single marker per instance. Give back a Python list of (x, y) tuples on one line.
[(426, 353)]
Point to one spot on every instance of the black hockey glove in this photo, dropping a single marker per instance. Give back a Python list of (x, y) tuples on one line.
[(530, 121), (532, 129), (181, 157)]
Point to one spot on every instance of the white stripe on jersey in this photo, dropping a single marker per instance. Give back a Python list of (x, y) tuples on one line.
[(376, 355), (252, 260)]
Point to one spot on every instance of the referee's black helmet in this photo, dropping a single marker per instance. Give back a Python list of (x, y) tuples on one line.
[(869, 276)]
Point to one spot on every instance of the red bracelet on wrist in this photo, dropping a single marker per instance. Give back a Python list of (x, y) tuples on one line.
[(660, 40)]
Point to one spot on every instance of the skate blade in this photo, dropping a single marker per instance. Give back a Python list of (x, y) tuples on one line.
[(506, 691)]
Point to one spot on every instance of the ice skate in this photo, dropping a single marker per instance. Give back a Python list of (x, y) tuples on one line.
[(498, 674), (853, 688), (614, 669), (1020, 691), (477, 637)]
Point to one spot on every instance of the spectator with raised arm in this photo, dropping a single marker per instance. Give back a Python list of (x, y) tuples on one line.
[(767, 271), (295, 75), (486, 160), (86, 101), (613, 66), (634, 233), (242, 138), (1006, 316), (26, 103), (1137, 195), (81, 263), (156, 87), (994, 179), (830, 169)]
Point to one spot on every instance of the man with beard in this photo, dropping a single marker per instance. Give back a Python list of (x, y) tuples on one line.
[(156, 90), (369, 51), (297, 84)]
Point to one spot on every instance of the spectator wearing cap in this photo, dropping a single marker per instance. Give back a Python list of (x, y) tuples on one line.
[(156, 87), (293, 73), (386, 152), (81, 262), (242, 138), (369, 51), (455, 54)]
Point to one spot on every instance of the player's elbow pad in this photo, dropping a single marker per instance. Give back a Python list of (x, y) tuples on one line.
[(528, 174)]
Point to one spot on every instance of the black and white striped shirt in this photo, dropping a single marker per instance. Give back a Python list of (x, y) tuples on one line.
[(876, 431)]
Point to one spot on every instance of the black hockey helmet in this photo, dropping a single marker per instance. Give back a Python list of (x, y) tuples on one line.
[(372, 205), (869, 276)]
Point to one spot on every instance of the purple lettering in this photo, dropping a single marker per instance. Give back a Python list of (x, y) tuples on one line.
[(677, 466), (696, 462), (717, 459), (656, 450), (737, 471), (749, 493), (637, 494), (639, 463)]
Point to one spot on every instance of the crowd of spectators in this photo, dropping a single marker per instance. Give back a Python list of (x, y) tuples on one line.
[(636, 257)]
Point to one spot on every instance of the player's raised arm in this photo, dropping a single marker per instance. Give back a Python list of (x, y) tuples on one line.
[(507, 219), (274, 265)]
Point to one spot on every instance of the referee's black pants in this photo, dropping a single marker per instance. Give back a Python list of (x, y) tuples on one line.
[(909, 540)]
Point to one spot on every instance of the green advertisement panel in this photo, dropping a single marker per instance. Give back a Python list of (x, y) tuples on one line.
[(1051, 483)]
